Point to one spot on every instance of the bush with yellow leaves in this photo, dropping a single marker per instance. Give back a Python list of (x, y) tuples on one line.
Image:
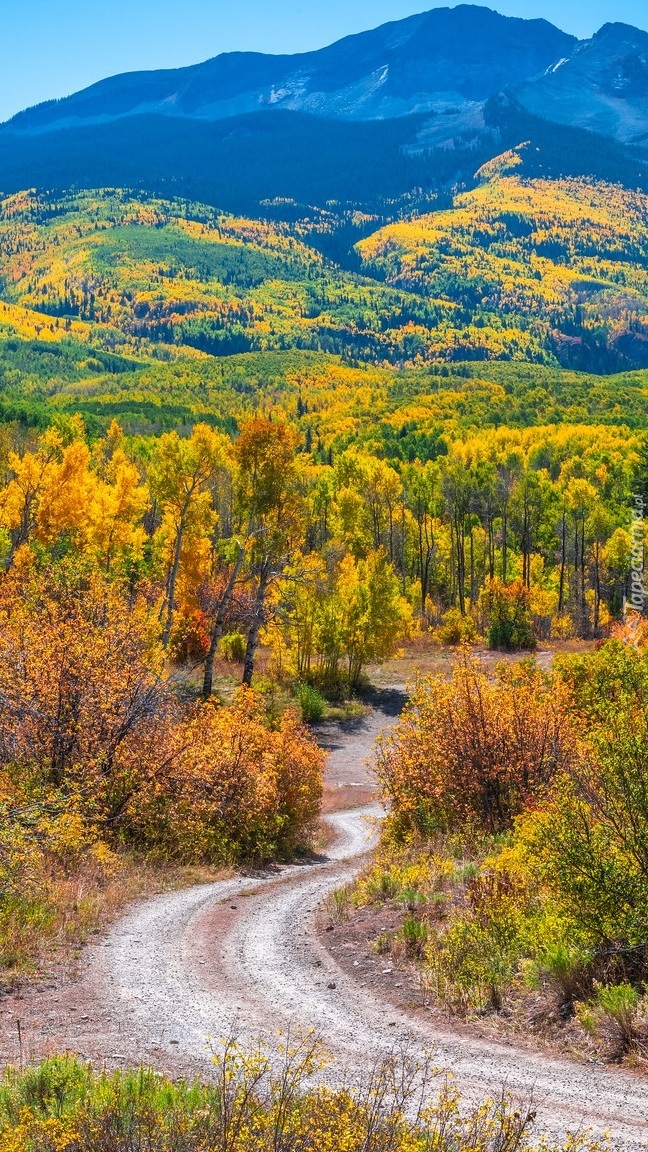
[(260, 1102)]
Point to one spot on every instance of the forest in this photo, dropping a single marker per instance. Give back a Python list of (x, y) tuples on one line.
[(144, 575), (236, 477), (500, 274)]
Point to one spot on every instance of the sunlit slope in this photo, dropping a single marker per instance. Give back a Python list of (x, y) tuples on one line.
[(181, 275), (548, 272), (404, 413), (163, 313), (561, 264)]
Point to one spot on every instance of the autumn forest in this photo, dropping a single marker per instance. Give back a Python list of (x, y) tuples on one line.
[(272, 486)]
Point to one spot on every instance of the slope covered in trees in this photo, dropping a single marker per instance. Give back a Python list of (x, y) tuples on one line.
[(539, 269), (548, 272), (416, 104), (144, 271), (127, 308)]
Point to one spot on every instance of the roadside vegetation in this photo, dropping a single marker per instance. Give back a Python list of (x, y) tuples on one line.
[(515, 845), (174, 610), (258, 1104)]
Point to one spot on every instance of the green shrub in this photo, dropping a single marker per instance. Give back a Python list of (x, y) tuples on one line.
[(381, 887), (455, 629), (311, 702), (566, 969), (415, 935), (508, 611), (412, 897), (615, 1016), (383, 942), (477, 957), (232, 647), (340, 903)]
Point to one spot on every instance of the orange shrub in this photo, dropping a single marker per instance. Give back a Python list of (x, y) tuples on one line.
[(473, 751), (81, 692), (234, 787), (88, 721)]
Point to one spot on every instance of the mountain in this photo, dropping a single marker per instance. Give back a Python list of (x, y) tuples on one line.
[(383, 123), (601, 86), (437, 61)]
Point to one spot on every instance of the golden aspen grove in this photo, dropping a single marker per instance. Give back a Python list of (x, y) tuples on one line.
[(323, 650)]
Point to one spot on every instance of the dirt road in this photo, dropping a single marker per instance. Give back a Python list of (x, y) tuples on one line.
[(183, 967)]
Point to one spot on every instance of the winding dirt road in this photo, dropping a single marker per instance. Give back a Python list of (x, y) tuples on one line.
[(183, 967)]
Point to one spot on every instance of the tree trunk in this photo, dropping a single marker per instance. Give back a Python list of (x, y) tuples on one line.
[(257, 620), (563, 560), (219, 622), (473, 591), (171, 585), (583, 580), (526, 544), (597, 586), (423, 568), (461, 563)]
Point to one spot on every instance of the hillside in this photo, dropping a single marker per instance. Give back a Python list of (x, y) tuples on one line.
[(551, 272), (147, 272), (557, 264), (163, 312)]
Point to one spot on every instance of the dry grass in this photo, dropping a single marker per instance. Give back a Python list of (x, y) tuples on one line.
[(48, 929), (421, 656)]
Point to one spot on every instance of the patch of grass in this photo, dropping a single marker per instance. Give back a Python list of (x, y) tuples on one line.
[(36, 929), (618, 1016), (340, 903), (347, 710), (415, 935), (311, 702)]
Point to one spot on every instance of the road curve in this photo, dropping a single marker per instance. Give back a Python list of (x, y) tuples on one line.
[(182, 969)]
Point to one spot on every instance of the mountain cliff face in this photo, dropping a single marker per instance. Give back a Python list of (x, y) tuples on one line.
[(602, 86), (426, 63)]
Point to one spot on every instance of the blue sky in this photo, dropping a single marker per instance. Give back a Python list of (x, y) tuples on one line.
[(49, 48)]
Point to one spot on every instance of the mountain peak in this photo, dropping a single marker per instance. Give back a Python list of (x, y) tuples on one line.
[(425, 63), (603, 86), (616, 30)]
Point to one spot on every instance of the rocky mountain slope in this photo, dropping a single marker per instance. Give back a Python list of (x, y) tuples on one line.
[(434, 62), (602, 86), (383, 121)]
